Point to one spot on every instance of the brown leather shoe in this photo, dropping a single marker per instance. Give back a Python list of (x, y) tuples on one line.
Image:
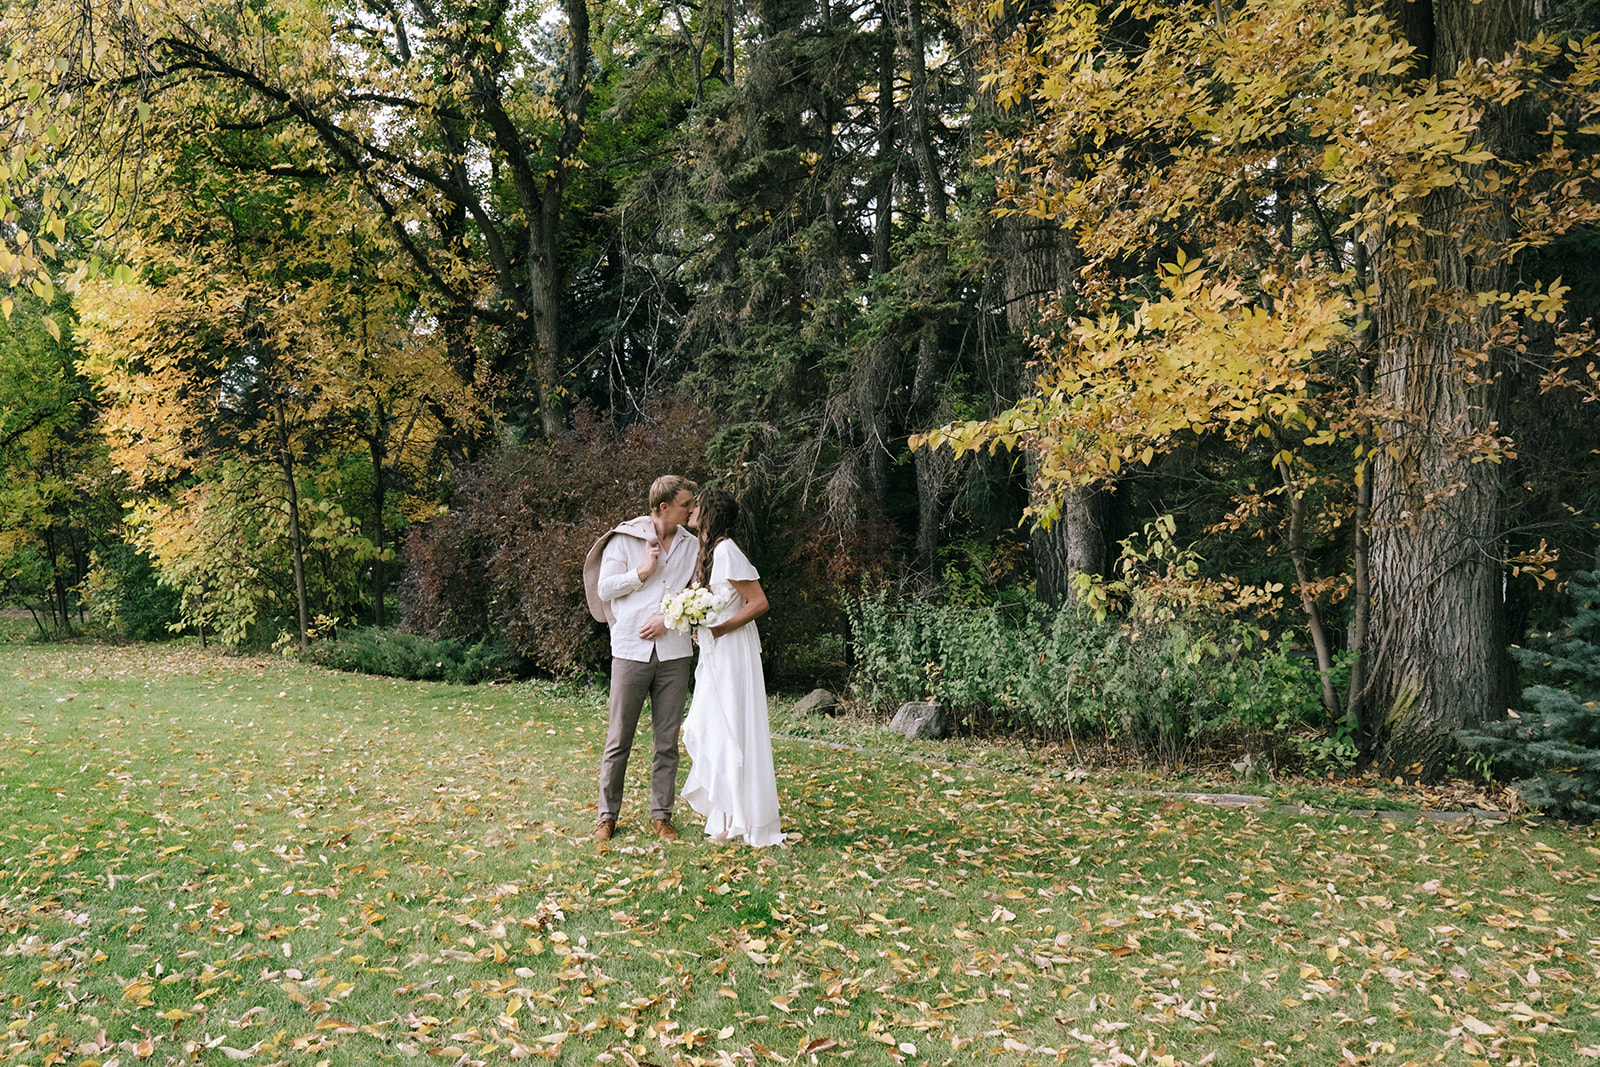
[(664, 829), (604, 829)]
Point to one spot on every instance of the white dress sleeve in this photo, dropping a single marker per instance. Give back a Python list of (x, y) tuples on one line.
[(730, 564)]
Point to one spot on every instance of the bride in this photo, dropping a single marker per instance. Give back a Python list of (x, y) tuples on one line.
[(732, 783)]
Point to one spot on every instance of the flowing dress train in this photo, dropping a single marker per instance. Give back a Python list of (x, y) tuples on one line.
[(731, 783)]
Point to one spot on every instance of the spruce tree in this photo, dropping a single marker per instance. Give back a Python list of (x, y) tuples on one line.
[(1553, 748)]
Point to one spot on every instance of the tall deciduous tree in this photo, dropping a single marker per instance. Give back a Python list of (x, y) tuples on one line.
[(461, 126), (1438, 662), (267, 337), (1353, 195)]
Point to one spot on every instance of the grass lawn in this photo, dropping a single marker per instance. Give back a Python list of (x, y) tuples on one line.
[(215, 860)]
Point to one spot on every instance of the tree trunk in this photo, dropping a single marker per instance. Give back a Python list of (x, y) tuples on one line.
[(1302, 574), (297, 554), (545, 284), (56, 597), (1074, 544), (1439, 660), (873, 388), (375, 444), (1359, 639), (933, 468), (1038, 260), (729, 19)]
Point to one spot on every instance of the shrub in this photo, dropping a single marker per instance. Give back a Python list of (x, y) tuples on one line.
[(375, 650), (507, 558), (1553, 751), (126, 595), (223, 545), (808, 570), (1152, 682)]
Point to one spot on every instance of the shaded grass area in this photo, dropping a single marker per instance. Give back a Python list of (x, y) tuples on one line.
[(215, 860)]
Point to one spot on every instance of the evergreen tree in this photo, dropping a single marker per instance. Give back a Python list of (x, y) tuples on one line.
[(1554, 748)]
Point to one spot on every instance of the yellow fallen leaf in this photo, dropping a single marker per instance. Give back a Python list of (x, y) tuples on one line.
[(338, 1025)]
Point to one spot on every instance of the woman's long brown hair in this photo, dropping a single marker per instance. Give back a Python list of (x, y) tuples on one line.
[(719, 512)]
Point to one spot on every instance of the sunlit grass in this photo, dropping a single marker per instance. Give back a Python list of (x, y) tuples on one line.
[(220, 859)]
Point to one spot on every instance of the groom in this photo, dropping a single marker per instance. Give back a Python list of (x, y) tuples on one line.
[(639, 563)]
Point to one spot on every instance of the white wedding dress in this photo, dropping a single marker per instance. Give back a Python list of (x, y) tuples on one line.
[(731, 782)]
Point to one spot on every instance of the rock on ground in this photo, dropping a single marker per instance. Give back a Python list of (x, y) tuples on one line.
[(921, 719)]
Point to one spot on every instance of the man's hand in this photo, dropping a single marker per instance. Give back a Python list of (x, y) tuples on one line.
[(652, 555), (654, 628)]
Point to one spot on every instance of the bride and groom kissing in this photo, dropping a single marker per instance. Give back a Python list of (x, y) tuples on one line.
[(628, 575)]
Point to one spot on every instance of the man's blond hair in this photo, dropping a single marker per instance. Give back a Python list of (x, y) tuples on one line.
[(665, 489)]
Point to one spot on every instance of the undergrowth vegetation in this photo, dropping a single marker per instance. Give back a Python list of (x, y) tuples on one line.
[(397, 654), (1159, 685)]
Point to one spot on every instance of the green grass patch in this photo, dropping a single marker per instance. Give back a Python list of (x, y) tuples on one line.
[(214, 860)]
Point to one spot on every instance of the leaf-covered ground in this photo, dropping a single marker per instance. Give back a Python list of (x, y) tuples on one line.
[(210, 860)]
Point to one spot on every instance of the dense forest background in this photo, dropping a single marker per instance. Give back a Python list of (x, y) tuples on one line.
[(1264, 325)]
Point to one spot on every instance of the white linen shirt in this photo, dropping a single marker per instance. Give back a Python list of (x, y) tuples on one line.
[(633, 601)]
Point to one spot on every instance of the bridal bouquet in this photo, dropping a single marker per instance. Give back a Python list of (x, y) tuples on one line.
[(688, 609)]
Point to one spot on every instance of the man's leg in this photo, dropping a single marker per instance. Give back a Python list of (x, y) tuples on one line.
[(668, 694), (630, 682)]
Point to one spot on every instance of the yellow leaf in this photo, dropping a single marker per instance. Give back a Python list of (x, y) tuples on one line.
[(336, 1024)]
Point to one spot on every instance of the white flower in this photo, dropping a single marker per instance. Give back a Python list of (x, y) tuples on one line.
[(688, 609)]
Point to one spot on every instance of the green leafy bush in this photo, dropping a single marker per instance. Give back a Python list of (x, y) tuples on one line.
[(1158, 684), (375, 650), (1552, 751), (126, 595)]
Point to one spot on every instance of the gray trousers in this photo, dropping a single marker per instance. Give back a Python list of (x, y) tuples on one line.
[(666, 683)]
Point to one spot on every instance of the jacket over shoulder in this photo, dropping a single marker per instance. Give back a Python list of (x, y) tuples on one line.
[(640, 527)]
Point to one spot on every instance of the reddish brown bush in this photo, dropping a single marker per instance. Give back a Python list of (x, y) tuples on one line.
[(507, 558)]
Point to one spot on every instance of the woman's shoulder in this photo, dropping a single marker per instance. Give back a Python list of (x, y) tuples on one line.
[(731, 562)]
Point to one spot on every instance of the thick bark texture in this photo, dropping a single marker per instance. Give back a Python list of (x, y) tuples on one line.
[(1438, 659), (1074, 544)]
